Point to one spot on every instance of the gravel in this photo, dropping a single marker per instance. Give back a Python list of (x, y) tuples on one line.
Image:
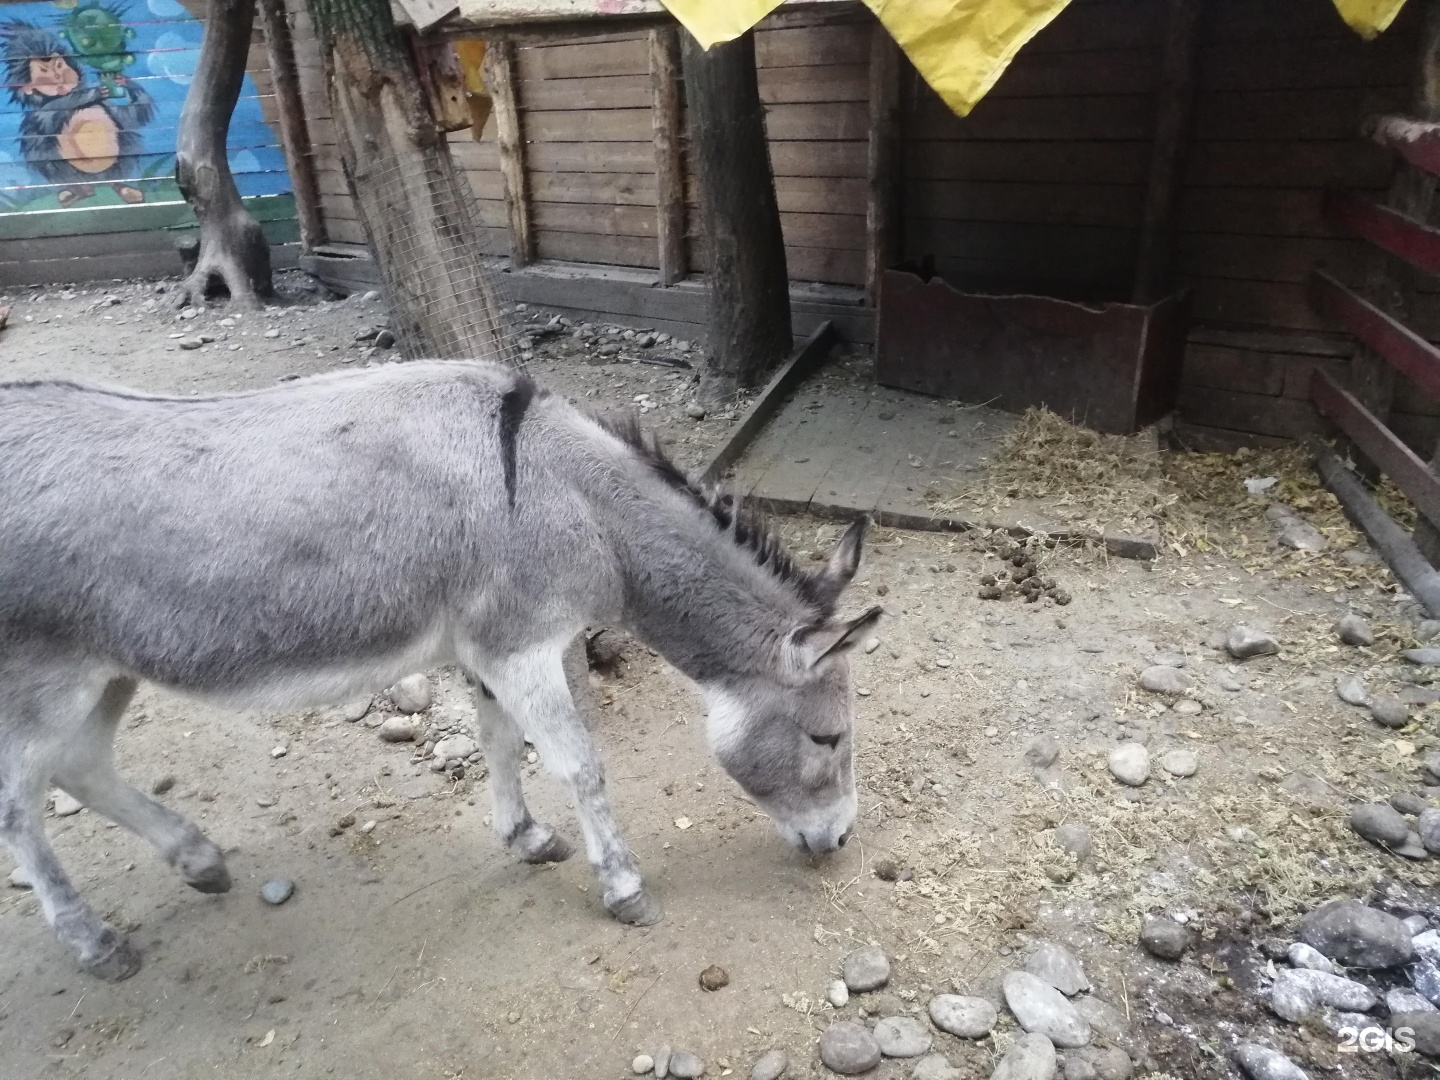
[(964, 1017), (1041, 1009), (1352, 934), (866, 969), (848, 1048)]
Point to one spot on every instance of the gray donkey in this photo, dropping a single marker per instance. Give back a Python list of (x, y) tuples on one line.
[(298, 545)]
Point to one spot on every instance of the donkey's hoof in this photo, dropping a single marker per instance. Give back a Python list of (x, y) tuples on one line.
[(115, 966), (642, 909), (215, 878), (555, 849)]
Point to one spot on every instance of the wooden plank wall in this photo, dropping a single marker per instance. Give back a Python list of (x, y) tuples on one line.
[(338, 215)]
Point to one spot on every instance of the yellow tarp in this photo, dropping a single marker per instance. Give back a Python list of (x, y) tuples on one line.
[(960, 47), (1369, 17)]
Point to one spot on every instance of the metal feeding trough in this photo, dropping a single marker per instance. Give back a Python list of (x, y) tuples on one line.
[(1112, 367)]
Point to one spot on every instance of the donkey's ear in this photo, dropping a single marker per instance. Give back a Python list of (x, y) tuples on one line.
[(818, 643), (840, 568)]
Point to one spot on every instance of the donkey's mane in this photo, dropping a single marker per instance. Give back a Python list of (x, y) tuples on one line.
[(747, 527)]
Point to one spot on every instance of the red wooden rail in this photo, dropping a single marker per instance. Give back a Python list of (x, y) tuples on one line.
[(1403, 237), (1406, 350), (1379, 444), (1417, 141)]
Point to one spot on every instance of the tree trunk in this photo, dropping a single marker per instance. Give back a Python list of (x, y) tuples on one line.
[(416, 206), (233, 249), (748, 279)]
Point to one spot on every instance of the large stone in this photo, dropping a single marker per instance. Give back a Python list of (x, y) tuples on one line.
[(399, 729), (1130, 763), (1163, 679), (964, 1017), (1352, 629), (1301, 955), (1424, 1028), (686, 1066), (412, 694), (1293, 531), (1354, 935), (1388, 711), (66, 805), (935, 1067), (1076, 840), (1032, 1057), (1057, 966), (1043, 1010), (848, 1048), (1106, 1062), (1262, 1063), (1379, 823), (1351, 690), (1399, 999), (866, 969), (902, 1037), (455, 748), (1164, 937), (1180, 763), (1428, 826), (1298, 992), (1429, 657), (770, 1066), (1243, 642), (1104, 1019), (1042, 752)]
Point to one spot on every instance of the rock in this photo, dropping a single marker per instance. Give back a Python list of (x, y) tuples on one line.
[(19, 879), (1294, 531), (935, 1067), (1400, 1000), (1104, 1019), (1187, 707), (1164, 938), (837, 993), (1354, 935), (1180, 763), (662, 1062), (642, 1064), (1057, 966), (1104, 1063), (277, 891), (1229, 684), (1411, 847), (1130, 763), (1298, 992), (1042, 752), (902, 1037), (1032, 1057), (1262, 1063), (162, 784), (866, 969), (1164, 679), (1424, 1030), (412, 694), (1076, 840), (1379, 823), (714, 978), (1243, 642), (770, 1066), (695, 411), (398, 729), (885, 1005), (1389, 711), (1351, 690), (1043, 1010), (352, 712), (686, 1065), (870, 644), (385, 339), (1352, 629), (455, 748), (1079, 1069), (66, 805), (1409, 803), (1301, 955), (189, 343), (1428, 827), (848, 1048), (964, 1017), (1429, 657), (1416, 924)]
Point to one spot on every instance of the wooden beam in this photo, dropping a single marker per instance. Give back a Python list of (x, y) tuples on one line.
[(1390, 230), (1396, 548), (294, 133), (500, 78), (668, 119), (882, 167), (1384, 335), (1379, 444), (1155, 255), (1415, 141), (790, 375)]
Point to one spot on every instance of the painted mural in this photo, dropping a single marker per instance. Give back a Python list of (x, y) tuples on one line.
[(93, 92)]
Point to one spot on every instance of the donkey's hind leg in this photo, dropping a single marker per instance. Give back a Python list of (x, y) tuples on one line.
[(32, 737), (504, 743), (87, 771)]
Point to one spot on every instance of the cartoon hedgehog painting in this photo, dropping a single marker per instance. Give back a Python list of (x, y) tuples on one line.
[(72, 134)]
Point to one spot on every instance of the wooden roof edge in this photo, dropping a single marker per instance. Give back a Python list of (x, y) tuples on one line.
[(582, 14)]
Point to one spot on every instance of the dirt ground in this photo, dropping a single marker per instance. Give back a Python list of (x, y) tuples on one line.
[(422, 949)]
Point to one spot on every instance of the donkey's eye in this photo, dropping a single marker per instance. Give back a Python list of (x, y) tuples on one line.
[(832, 741)]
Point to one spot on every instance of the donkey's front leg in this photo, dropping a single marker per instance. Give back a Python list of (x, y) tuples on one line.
[(533, 690)]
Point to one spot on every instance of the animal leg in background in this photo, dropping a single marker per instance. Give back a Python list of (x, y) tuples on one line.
[(503, 743), (532, 689)]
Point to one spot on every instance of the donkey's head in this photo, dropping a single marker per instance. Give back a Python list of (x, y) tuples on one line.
[(784, 730)]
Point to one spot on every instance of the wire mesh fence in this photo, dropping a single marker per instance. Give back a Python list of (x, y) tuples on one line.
[(445, 302)]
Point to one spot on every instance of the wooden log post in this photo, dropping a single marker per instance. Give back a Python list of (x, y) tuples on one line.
[(500, 78), (1154, 261), (882, 163), (667, 114), (294, 132), (749, 288)]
